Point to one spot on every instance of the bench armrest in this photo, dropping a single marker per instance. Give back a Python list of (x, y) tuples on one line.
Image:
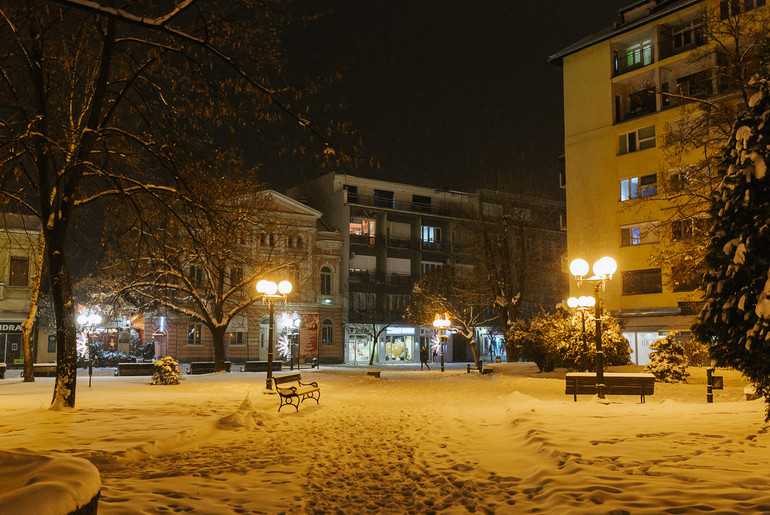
[(288, 390), (311, 383)]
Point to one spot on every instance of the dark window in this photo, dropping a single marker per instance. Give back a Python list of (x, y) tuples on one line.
[(19, 273), (352, 192), (327, 332), (637, 140), (383, 198), (326, 281), (421, 203), (639, 282), (696, 85)]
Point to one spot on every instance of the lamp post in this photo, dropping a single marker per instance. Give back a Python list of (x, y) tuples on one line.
[(603, 270), (582, 304), (271, 292), (441, 325), (88, 323)]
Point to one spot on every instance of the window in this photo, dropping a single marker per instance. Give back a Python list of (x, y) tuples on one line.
[(196, 274), (236, 275), (639, 234), (236, 338), (640, 282), (688, 35), (327, 332), (641, 103), (430, 234), (398, 303), (696, 85), (729, 8), (399, 266), (19, 272), (299, 242), (421, 203), (194, 334), (363, 227), (364, 301), (639, 55), (637, 140), (687, 228), (428, 267), (271, 240), (383, 198), (326, 281), (639, 187), (352, 192), (399, 231)]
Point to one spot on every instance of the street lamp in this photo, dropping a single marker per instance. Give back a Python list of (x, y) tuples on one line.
[(603, 270), (87, 323), (271, 292), (441, 325), (582, 304)]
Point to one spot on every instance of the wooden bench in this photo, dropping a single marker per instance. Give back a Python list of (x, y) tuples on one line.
[(261, 366), (43, 370), (2, 370), (615, 383), (294, 394), (135, 369), (480, 368), (205, 367), (373, 373)]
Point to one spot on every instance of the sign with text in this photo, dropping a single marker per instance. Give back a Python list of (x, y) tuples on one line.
[(10, 327), (308, 335)]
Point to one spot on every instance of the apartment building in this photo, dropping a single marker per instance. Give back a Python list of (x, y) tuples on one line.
[(395, 233), (626, 89)]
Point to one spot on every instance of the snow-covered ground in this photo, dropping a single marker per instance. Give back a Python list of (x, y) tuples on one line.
[(417, 442)]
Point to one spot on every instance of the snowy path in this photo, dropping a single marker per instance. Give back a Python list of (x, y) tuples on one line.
[(410, 442)]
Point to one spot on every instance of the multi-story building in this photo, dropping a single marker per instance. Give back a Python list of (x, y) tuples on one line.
[(19, 235), (311, 317), (393, 234), (625, 91)]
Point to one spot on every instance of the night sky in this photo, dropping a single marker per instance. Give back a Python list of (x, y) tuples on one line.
[(445, 93)]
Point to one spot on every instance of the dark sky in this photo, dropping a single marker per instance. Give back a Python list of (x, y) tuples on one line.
[(447, 92)]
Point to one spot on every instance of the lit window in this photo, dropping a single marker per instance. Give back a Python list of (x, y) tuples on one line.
[(194, 334), (639, 187), (431, 234), (236, 338), (639, 234)]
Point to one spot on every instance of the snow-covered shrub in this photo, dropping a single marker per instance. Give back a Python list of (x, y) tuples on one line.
[(166, 371), (735, 319), (556, 340), (696, 352), (667, 360)]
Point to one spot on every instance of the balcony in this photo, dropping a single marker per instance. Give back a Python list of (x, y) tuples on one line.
[(398, 205), (369, 277), (633, 58)]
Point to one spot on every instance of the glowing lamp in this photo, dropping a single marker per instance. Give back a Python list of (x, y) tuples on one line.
[(572, 302), (579, 267), (284, 287), (605, 267)]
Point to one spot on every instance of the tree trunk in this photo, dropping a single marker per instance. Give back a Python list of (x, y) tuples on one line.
[(66, 341), (218, 336), (26, 326), (472, 344), (371, 354)]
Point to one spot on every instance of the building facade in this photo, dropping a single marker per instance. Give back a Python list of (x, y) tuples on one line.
[(393, 234), (311, 316), (627, 90), (19, 236)]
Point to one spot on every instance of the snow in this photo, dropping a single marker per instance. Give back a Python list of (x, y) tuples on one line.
[(412, 441)]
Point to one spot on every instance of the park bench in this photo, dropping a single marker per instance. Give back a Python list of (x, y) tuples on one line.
[(43, 370), (480, 368), (205, 367), (615, 383), (293, 394), (261, 366), (135, 369)]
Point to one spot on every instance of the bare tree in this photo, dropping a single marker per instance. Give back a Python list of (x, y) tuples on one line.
[(454, 291), (99, 103)]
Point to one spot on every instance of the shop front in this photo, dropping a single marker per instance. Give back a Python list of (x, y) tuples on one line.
[(10, 343)]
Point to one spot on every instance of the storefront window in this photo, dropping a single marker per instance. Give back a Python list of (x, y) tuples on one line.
[(399, 348)]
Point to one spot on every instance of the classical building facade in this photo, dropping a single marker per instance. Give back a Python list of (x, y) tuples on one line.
[(627, 91), (311, 315)]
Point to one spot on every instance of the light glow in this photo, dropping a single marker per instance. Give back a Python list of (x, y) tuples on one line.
[(579, 267), (605, 267)]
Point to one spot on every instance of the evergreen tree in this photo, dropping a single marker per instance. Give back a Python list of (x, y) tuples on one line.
[(667, 360), (736, 316)]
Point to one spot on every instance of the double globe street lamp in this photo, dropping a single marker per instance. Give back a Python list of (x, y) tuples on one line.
[(603, 270), (271, 292)]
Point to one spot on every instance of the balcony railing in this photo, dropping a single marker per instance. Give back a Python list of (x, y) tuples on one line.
[(415, 207), (367, 276)]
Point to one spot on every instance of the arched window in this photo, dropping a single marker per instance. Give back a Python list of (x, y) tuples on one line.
[(327, 332), (326, 281)]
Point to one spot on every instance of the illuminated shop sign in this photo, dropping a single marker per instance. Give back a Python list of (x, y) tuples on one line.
[(399, 330)]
